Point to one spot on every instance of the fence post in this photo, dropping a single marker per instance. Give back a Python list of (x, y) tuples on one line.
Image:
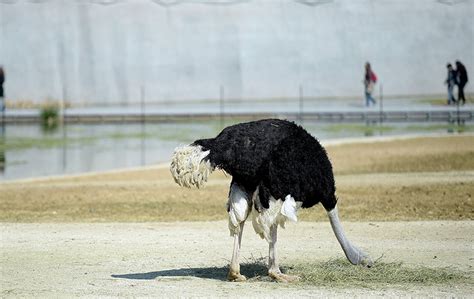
[(301, 107), (381, 104), (457, 112), (63, 126), (221, 105), (142, 104), (142, 117)]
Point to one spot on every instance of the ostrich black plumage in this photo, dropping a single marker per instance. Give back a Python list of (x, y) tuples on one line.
[(276, 168)]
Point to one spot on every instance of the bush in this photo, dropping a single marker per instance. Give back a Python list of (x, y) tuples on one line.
[(49, 117)]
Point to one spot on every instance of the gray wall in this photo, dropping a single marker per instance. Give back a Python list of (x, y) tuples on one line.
[(255, 48)]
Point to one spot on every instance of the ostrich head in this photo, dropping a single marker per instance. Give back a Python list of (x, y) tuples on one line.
[(188, 166)]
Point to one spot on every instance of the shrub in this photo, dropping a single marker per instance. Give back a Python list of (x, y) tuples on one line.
[(49, 117)]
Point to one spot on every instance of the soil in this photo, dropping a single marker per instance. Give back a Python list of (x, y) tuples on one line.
[(190, 258)]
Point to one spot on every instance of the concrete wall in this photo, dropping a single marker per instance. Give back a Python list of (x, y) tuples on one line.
[(184, 50)]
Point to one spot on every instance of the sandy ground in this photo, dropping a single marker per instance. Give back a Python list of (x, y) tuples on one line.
[(177, 259)]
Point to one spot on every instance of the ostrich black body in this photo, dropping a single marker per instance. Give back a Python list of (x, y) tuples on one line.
[(277, 158)]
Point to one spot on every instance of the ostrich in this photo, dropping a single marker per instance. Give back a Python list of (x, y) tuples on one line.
[(276, 167)]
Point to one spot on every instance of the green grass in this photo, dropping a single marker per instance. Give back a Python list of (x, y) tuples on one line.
[(434, 101), (21, 143), (371, 129), (340, 273), (56, 140), (45, 142), (179, 134), (134, 135), (441, 101), (444, 127), (358, 128), (188, 134)]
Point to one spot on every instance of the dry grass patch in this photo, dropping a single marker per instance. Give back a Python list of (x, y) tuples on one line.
[(340, 273), (410, 155), (168, 202), (409, 201), (104, 203), (419, 179)]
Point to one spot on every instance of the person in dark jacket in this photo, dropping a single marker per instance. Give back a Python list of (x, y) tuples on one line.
[(2, 79), (462, 79)]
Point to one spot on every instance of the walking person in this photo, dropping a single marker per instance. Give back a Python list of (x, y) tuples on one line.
[(462, 79), (2, 122), (450, 81), (369, 82), (2, 99)]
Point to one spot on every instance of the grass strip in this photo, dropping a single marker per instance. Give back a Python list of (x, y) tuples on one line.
[(340, 273)]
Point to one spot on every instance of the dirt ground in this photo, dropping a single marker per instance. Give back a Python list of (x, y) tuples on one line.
[(190, 258), (136, 234)]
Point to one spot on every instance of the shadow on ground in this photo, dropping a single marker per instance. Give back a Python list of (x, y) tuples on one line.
[(218, 273)]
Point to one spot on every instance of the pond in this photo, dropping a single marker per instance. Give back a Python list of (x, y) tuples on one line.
[(28, 151)]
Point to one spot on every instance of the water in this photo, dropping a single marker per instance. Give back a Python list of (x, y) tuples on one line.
[(28, 151)]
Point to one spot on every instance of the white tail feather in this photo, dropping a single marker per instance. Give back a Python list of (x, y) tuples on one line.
[(289, 208)]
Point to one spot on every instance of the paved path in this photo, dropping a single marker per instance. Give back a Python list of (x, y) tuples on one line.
[(401, 108)]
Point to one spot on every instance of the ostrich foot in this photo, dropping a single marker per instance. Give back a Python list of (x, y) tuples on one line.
[(280, 277), (235, 276)]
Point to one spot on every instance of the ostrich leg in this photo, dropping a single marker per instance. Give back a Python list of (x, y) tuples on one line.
[(273, 268), (353, 254), (238, 208), (234, 271)]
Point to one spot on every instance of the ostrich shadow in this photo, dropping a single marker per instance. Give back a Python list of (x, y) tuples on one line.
[(251, 271)]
